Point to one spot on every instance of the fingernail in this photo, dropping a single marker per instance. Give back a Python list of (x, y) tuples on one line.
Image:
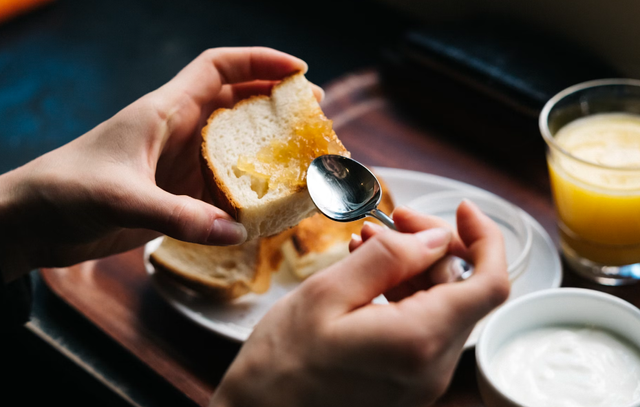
[(471, 204), (306, 67), (225, 232), (356, 241), (374, 226), (405, 208), (435, 238)]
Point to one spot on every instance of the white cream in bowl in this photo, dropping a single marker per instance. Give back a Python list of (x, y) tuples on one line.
[(568, 366), (565, 347)]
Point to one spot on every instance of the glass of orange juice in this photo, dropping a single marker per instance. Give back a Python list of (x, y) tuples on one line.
[(592, 131)]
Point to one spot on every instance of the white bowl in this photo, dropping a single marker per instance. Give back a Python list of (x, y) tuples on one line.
[(561, 306), (511, 220)]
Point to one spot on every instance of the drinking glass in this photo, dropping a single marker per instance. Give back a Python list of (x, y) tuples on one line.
[(597, 200)]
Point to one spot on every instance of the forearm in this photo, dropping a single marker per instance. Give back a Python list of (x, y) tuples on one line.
[(14, 256)]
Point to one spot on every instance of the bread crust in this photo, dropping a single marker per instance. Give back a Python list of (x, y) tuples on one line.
[(220, 195), (218, 290)]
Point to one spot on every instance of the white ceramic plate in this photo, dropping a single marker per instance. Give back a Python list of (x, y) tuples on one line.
[(236, 320)]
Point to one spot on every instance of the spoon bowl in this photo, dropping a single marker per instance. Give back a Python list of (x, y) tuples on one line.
[(345, 190)]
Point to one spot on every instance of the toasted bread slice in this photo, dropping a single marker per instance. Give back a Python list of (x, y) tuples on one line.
[(223, 273), (256, 156), (318, 242)]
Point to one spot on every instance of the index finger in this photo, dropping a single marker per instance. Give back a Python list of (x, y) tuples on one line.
[(204, 77)]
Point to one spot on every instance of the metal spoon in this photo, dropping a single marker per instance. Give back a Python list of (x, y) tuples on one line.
[(345, 190)]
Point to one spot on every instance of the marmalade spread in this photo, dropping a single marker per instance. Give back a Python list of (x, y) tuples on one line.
[(286, 161)]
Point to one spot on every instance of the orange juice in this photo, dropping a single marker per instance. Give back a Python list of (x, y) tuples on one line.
[(595, 179)]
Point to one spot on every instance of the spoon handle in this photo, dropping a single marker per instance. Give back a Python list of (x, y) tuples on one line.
[(382, 217)]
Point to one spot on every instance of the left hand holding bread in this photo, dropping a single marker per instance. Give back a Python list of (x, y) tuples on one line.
[(136, 175)]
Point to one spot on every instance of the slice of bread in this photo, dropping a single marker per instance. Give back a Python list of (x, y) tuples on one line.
[(318, 242), (256, 156), (222, 273)]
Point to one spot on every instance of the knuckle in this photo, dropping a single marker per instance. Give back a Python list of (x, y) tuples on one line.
[(210, 53), (406, 248), (316, 288), (180, 219), (282, 306), (390, 248), (151, 111)]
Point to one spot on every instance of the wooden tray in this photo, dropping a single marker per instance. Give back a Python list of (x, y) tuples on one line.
[(115, 293)]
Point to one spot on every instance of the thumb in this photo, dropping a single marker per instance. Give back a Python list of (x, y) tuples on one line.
[(381, 263), (185, 218), (484, 241)]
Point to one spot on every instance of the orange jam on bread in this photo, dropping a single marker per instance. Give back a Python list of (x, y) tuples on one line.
[(286, 161)]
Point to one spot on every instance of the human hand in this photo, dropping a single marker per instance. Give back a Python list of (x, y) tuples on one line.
[(443, 271), (326, 344), (135, 176), (440, 272)]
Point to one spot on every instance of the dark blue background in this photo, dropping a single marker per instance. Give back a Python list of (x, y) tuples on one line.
[(67, 67)]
